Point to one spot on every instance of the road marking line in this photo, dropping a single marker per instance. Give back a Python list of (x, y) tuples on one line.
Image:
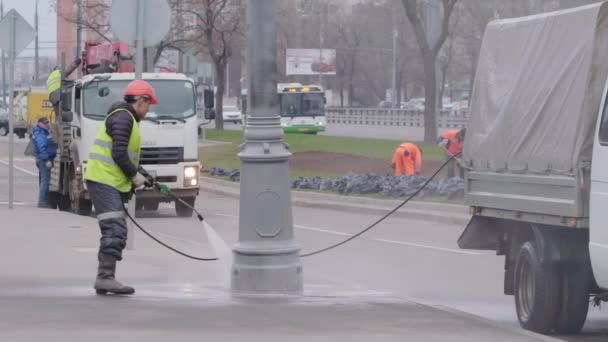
[(314, 229), (15, 203), (394, 242), (411, 244), (31, 173)]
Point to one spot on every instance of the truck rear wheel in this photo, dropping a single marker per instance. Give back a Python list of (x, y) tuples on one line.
[(82, 207), (64, 203), (182, 210), (53, 199), (3, 131), (575, 282), (536, 290)]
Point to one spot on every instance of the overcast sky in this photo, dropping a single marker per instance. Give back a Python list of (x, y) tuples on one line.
[(47, 22)]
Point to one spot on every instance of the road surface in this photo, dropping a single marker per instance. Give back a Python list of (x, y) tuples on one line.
[(411, 259)]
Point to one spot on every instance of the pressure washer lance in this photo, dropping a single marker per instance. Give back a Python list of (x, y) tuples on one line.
[(165, 190)]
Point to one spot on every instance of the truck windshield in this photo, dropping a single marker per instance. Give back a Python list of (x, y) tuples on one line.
[(175, 98), (308, 104)]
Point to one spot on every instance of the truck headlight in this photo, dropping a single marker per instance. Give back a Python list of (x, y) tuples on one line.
[(191, 176), (321, 123), (190, 172)]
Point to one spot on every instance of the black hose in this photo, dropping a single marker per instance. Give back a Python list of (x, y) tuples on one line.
[(200, 217), (383, 217), (164, 244)]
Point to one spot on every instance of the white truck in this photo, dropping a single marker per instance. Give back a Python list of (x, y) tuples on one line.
[(169, 138), (537, 157)]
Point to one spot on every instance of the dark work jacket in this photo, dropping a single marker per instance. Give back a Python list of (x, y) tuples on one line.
[(119, 126)]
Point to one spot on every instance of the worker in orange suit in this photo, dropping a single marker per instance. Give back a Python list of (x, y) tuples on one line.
[(452, 142), (407, 160)]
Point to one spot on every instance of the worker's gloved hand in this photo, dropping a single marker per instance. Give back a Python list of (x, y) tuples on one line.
[(139, 180), (49, 164), (163, 189), (149, 177)]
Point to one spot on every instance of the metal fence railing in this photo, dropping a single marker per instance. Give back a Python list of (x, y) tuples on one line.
[(393, 117)]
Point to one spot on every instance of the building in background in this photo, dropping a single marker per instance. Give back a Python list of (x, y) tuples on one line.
[(95, 12)]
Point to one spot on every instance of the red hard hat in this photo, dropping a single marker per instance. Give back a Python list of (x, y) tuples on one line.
[(141, 88)]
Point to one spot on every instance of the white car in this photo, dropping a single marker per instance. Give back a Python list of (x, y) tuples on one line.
[(232, 114)]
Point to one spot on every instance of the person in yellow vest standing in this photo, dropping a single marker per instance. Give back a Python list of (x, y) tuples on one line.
[(111, 174), (53, 84)]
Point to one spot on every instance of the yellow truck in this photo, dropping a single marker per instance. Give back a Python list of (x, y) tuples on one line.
[(38, 105), (29, 105)]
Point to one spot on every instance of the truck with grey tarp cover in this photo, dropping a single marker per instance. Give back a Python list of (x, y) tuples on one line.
[(536, 154)]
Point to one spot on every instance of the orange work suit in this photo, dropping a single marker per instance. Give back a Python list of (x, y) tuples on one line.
[(454, 145), (407, 160)]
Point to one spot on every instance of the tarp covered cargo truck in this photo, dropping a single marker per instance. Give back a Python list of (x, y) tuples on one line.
[(537, 159)]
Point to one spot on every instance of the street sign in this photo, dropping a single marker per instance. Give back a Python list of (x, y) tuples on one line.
[(156, 20), (15, 35), (24, 32)]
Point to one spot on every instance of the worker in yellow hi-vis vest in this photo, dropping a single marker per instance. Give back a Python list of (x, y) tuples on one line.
[(53, 83), (112, 172)]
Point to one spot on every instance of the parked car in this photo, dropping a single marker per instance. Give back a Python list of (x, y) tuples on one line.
[(414, 104), (232, 114), (3, 123)]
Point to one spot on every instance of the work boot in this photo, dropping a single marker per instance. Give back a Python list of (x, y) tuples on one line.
[(105, 282)]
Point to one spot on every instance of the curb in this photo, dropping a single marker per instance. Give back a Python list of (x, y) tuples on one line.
[(436, 212)]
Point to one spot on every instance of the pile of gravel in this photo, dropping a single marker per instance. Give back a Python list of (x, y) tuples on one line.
[(364, 184)]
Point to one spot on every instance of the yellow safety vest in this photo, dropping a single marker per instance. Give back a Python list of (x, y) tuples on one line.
[(101, 168), (54, 81)]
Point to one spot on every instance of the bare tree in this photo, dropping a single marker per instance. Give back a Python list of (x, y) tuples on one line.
[(429, 56), (217, 24)]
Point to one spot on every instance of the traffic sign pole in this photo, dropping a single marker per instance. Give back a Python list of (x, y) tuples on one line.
[(139, 41), (11, 121), (15, 35)]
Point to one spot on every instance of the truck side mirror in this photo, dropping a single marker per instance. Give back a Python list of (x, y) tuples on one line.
[(66, 101), (67, 116), (209, 99), (209, 114)]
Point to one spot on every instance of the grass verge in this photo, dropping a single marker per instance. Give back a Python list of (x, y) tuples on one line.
[(225, 155)]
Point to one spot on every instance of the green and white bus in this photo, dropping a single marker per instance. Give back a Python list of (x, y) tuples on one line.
[(302, 107)]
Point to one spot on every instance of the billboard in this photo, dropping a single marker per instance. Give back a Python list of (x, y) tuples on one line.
[(310, 61)]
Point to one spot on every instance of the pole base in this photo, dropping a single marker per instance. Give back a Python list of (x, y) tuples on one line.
[(266, 274)]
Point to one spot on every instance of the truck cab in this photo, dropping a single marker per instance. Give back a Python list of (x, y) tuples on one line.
[(169, 138)]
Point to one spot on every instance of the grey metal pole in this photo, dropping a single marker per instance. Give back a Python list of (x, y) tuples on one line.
[(3, 63), (36, 53), (266, 256), (395, 36), (11, 119), (321, 41), (139, 60), (139, 65), (78, 34)]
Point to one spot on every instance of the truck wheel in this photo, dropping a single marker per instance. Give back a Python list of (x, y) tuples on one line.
[(182, 210), (3, 131), (574, 297), (53, 199), (21, 135), (64, 203), (536, 290), (82, 207)]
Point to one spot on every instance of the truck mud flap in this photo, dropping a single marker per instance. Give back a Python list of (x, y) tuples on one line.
[(480, 233)]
